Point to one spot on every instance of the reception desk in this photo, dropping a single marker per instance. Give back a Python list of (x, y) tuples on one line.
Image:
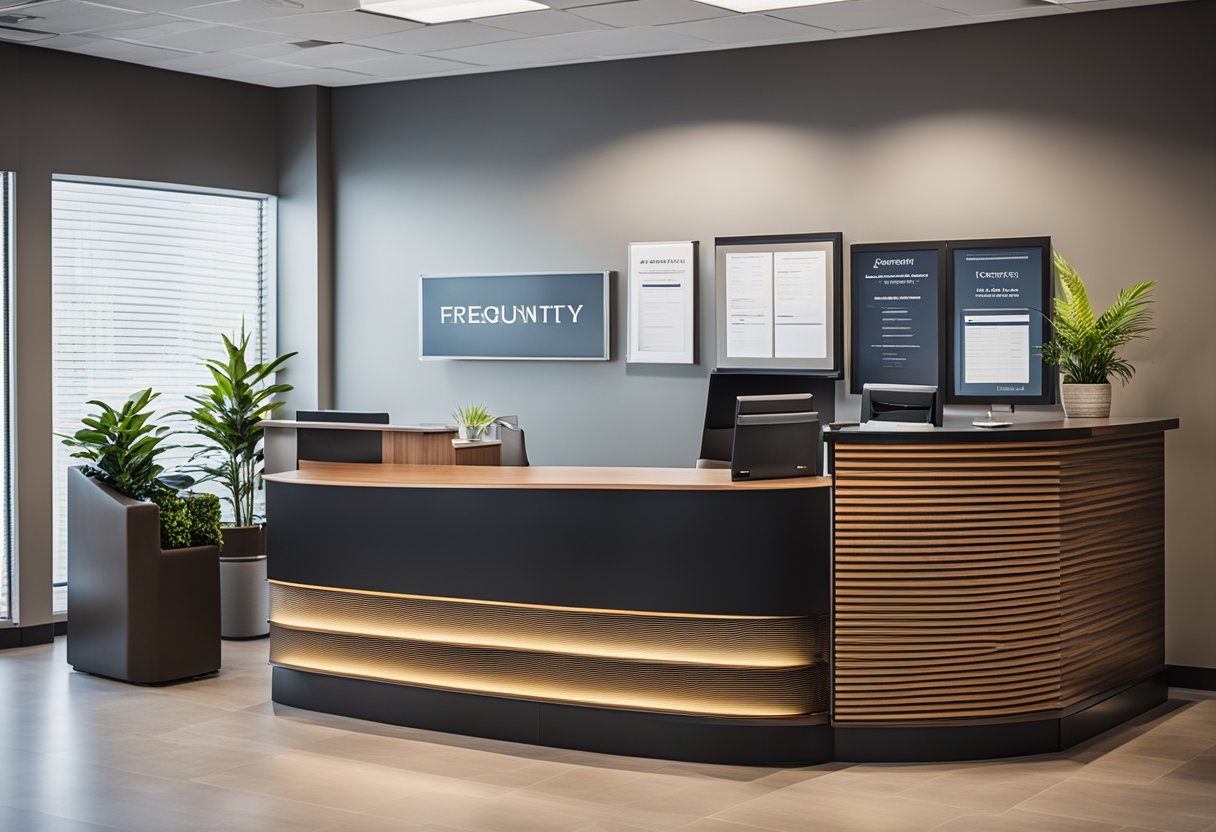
[(996, 592), (657, 612), (989, 594)]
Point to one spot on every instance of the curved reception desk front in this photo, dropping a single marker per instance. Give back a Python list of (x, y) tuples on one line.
[(949, 594), (654, 612)]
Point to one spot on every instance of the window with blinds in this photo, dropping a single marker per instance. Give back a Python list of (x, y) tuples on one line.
[(145, 279), (6, 513)]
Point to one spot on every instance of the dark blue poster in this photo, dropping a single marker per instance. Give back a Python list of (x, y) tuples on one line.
[(522, 316), (998, 303), (896, 317)]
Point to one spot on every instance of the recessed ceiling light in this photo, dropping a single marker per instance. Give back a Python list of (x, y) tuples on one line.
[(444, 11), (745, 6)]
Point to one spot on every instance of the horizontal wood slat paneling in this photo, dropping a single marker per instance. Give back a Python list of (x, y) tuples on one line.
[(995, 580)]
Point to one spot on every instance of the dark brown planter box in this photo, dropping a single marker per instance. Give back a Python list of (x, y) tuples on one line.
[(138, 613)]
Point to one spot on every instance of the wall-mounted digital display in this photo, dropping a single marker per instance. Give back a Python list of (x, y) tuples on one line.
[(534, 316), (897, 303), (1000, 300), (779, 302)]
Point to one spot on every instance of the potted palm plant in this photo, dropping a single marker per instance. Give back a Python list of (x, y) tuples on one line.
[(228, 415), (1086, 346), (472, 420)]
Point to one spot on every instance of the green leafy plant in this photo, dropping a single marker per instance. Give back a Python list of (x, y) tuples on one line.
[(122, 445), (188, 520), (227, 415), (474, 417), (1086, 346)]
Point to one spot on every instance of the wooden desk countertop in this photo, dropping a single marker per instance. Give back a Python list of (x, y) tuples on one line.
[(296, 425), (473, 476)]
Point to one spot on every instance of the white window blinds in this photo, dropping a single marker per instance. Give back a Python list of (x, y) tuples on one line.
[(144, 282)]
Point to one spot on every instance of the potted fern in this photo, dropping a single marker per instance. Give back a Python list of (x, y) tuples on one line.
[(472, 421), (1086, 346), (227, 415)]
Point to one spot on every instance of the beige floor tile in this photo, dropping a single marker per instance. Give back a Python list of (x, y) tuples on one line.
[(1152, 806), (1019, 821), (827, 812), (479, 814), (1127, 767)]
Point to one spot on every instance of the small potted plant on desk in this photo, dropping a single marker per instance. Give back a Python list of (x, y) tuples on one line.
[(228, 416), (1086, 346), (472, 421)]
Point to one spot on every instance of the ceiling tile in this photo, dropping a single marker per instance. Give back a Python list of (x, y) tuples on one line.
[(871, 14), (335, 26), (749, 28), (613, 42), (244, 11), (398, 66), (321, 77), (207, 61), (983, 7), (150, 5), (132, 52), (441, 36), (542, 23), (248, 71), (69, 16), (24, 35), (145, 27), (574, 4), (217, 39), (333, 54), (508, 53), (650, 12)]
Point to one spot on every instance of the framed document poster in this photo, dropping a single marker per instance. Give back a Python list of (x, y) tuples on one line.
[(780, 303), (662, 302)]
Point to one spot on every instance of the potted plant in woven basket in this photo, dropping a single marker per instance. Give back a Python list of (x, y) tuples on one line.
[(228, 415), (1085, 346)]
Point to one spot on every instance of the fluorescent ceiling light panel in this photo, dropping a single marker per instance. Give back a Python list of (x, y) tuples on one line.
[(746, 6), (445, 11)]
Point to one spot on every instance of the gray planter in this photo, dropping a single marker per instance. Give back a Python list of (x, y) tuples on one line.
[(1085, 401), (244, 594)]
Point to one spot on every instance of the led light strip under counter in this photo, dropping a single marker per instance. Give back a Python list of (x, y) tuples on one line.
[(721, 665)]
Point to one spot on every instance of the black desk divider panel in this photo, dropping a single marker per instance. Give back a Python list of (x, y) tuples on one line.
[(335, 445)]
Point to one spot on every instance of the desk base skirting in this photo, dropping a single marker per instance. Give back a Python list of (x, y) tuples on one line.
[(790, 741), (786, 741)]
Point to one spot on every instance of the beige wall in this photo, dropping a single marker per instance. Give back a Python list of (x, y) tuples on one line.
[(1095, 128)]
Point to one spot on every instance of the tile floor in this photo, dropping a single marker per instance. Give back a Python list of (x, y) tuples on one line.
[(81, 753)]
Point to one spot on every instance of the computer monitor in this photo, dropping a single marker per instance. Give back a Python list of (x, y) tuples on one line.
[(725, 387), (901, 404), (776, 437)]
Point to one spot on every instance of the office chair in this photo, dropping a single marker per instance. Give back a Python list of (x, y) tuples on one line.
[(514, 449)]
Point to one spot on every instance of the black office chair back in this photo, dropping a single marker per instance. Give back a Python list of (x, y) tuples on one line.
[(335, 445)]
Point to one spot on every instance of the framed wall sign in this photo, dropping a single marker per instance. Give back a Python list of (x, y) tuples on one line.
[(999, 298), (780, 303), (897, 305), (662, 302), (534, 316)]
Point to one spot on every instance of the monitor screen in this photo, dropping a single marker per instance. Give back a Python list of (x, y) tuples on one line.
[(1000, 303), (898, 292)]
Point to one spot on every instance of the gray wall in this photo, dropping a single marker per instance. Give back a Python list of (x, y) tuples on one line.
[(1094, 128), (71, 114)]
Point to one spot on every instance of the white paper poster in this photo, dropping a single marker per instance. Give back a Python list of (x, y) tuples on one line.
[(800, 297), (661, 300), (749, 304), (996, 349)]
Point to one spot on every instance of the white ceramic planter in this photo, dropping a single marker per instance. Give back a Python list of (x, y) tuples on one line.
[(470, 433), (1085, 401)]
